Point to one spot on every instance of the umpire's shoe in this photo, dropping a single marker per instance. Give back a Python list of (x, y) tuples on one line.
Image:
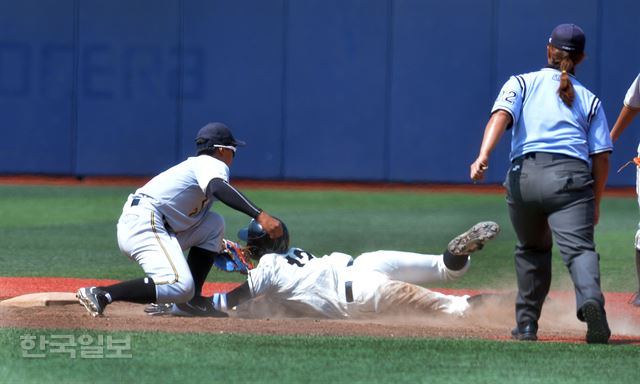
[(199, 306), (94, 300), (525, 332), (473, 239), (598, 331)]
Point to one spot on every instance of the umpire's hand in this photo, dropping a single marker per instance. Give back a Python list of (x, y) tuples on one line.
[(270, 224), (478, 167)]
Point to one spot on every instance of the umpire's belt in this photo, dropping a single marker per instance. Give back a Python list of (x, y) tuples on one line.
[(348, 286), (543, 156)]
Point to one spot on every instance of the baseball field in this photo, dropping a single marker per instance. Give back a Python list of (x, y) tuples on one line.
[(57, 237)]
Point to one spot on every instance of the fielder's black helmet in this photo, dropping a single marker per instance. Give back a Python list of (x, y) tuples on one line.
[(216, 135), (259, 242)]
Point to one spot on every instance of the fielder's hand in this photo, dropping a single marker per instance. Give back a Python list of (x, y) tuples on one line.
[(270, 225)]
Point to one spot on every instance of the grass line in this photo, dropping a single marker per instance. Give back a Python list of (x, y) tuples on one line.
[(289, 359)]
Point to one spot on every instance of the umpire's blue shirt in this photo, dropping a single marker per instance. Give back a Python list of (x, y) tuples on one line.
[(543, 123)]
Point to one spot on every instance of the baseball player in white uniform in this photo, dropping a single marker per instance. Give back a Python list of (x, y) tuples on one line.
[(339, 286), (170, 214), (630, 109)]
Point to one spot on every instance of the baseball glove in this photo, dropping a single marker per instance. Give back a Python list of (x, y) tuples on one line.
[(232, 259)]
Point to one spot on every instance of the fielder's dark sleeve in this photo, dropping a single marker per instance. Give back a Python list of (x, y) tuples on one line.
[(224, 192)]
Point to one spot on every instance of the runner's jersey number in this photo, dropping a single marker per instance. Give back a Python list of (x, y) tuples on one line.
[(299, 257)]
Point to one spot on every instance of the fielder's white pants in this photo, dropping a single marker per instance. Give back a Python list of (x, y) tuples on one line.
[(637, 237), (143, 237)]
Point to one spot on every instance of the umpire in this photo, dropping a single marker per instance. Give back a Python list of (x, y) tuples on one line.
[(559, 156)]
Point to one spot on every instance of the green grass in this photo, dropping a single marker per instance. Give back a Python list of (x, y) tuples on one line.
[(70, 231), (160, 357)]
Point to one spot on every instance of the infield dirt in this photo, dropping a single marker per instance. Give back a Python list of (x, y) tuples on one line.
[(492, 320)]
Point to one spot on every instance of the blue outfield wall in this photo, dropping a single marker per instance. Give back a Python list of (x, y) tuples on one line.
[(365, 90)]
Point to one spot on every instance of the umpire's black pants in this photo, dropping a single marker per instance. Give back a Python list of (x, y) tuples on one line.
[(551, 194)]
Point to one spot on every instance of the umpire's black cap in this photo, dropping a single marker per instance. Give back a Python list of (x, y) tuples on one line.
[(568, 37), (216, 134)]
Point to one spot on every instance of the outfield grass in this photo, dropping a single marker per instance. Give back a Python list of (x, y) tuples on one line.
[(169, 358)]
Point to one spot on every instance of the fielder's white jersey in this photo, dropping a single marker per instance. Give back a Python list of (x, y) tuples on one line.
[(180, 193), (302, 282), (632, 98)]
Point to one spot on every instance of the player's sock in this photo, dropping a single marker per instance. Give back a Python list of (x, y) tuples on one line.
[(200, 262), (142, 291), (453, 262)]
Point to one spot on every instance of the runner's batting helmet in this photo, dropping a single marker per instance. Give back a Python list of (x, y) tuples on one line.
[(259, 242)]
